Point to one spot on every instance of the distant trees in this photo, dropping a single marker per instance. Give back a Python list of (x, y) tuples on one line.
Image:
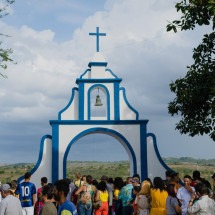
[(194, 98), (4, 53)]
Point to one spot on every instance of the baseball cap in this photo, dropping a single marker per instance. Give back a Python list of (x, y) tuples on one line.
[(5, 187)]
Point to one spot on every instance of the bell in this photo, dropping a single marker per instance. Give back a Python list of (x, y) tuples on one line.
[(98, 101)]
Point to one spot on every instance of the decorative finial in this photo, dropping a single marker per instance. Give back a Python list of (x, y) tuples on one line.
[(97, 34)]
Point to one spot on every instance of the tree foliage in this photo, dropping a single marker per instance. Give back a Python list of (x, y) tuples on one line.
[(4, 53), (195, 93)]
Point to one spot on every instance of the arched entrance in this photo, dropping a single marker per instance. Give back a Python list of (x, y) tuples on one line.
[(116, 135), (98, 154)]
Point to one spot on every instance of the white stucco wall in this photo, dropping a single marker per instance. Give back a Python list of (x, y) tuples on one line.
[(130, 132), (155, 168), (125, 111), (45, 167), (71, 113)]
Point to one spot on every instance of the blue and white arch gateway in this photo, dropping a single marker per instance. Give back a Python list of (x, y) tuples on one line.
[(118, 119)]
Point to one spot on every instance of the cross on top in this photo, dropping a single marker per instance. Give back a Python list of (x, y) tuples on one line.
[(97, 34)]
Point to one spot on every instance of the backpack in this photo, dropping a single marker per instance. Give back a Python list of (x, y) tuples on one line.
[(142, 201), (86, 196)]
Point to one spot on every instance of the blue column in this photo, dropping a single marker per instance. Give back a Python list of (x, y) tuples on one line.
[(81, 101), (143, 151), (116, 101), (55, 152)]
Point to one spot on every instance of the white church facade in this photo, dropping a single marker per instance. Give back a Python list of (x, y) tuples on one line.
[(117, 119)]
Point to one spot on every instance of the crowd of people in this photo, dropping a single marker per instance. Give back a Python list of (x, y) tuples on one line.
[(107, 196)]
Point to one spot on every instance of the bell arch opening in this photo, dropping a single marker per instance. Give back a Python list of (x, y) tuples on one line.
[(95, 142), (98, 103), (98, 106)]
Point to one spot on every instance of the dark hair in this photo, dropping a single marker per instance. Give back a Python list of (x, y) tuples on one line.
[(174, 174), (137, 188), (48, 190), (44, 180), (14, 184), (118, 183), (27, 175), (202, 189), (168, 173), (89, 179), (95, 183), (110, 180), (196, 174), (102, 186), (188, 176), (68, 180), (171, 190), (62, 185), (136, 176), (128, 179), (158, 184)]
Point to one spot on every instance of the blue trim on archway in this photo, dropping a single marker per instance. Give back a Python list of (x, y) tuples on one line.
[(126, 101), (107, 131), (156, 150), (70, 102), (110, 71), (107, 96), (39, 160), (87, 70)]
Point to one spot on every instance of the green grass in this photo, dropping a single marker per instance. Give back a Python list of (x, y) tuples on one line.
[(113, 169)]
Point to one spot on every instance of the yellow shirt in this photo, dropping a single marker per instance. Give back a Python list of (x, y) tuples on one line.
[(78, 183), (158, 202), (116, 193), (103, 196)]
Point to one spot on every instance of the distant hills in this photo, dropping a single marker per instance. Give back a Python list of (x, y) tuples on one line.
[(189, 160), (182, 165), (165, 159)]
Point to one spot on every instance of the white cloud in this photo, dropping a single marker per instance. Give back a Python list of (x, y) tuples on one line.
[(137, 48)]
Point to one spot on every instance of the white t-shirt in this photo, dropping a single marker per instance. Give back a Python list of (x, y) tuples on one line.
[(203, 206), (184, 195)]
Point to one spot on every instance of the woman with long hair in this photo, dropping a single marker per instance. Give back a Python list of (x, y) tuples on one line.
[(102, 195), (86, 194), (172, 203), (142, 198), (78, 181), (117, 184), (158, 196)]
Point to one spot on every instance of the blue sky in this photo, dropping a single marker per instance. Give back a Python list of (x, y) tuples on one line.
[(52, 48)]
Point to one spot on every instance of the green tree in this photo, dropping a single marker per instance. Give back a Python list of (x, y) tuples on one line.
[(4, 53), (194, 98)]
